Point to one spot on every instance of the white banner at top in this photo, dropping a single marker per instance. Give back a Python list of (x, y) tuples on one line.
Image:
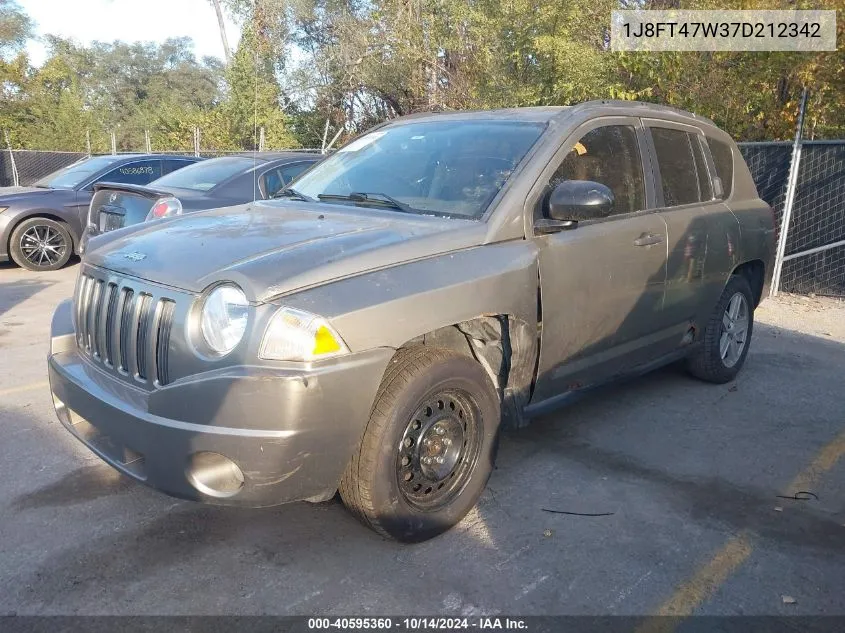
[(677, 30)]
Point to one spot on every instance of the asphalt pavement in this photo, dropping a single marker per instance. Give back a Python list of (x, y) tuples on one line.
[(690, 478)]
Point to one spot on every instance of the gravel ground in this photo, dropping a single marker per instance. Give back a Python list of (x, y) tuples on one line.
[(690, 474), (819, 316)]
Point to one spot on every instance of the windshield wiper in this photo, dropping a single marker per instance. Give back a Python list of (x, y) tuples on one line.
[(290, 192), (379, 199)]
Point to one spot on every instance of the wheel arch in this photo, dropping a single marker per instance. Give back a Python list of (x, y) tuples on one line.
[(505, 345), (40, 213), (754, 271)]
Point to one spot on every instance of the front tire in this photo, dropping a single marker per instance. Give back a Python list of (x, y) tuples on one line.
[(40, 244), (428, 448), (727, 335)]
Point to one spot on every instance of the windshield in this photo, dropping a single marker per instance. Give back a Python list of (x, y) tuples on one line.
[(206, 174), (74, 175), (452, 168)]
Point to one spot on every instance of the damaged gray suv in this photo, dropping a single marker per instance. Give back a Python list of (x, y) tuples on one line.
[(436, 279)]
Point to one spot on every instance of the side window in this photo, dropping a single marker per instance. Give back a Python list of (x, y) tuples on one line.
[(609, 155), (723, 157), (677, 166), (704, 185), (140, 172), (280, 177), (172, 164)]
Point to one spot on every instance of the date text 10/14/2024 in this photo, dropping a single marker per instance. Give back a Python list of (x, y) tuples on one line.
[(418, 624)]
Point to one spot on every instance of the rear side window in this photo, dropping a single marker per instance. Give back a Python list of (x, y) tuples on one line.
[(677, 166), (172, 164), (280, 177), (724, 159), (141, 172)]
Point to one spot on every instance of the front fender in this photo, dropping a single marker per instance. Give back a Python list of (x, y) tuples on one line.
[(389, 307)]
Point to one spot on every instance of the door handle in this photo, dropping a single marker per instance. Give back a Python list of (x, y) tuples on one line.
[(648, 239)]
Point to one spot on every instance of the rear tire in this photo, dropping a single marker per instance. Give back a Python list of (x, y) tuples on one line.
[(428, 448), (40, 244), (727, 335)]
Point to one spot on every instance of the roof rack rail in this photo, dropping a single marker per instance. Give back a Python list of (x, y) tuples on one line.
[(642, 104)]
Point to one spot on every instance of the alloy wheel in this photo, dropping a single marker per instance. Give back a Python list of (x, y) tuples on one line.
[(734, 331), (43, 246)]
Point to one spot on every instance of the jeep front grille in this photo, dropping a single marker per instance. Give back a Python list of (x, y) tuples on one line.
[(124, 328)]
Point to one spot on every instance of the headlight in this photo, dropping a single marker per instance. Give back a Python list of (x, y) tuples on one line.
[(298, 335), (224, 316)]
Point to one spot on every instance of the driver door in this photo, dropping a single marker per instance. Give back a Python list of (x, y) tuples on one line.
[(602, 281)]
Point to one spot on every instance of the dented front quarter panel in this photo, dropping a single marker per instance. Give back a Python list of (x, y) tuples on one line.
[(490, 288), (387, 308)]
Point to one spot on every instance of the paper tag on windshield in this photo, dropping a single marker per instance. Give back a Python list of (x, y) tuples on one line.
[(362, 142)]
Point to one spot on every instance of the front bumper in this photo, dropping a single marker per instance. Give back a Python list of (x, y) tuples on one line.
[(290, 432)]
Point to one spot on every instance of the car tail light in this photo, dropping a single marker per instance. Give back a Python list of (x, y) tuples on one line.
[(165, 208)]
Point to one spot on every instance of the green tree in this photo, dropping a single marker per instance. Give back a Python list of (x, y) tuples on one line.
[(253, 99)]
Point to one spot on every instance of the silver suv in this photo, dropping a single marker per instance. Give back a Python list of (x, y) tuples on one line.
[(436, 278)]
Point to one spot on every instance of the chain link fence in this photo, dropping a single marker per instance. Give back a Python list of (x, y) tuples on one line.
[(31, 165), (814, 253)]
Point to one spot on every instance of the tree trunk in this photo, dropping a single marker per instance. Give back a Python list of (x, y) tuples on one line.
[(222, 26)]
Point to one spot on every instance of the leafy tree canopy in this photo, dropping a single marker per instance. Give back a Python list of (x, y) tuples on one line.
[(306, 69)]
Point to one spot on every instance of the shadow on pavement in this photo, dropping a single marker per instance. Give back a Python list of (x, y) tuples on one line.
[(679, 425)]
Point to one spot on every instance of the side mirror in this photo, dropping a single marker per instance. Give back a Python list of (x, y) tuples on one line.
[(577, 200)]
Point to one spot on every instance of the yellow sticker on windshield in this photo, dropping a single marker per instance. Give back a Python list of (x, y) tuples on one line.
[(580, 149)]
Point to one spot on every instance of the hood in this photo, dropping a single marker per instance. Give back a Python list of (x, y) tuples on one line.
[(20, 194), (274, 248)]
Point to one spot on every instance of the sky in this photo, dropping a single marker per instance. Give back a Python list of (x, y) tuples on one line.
[(128, 20)]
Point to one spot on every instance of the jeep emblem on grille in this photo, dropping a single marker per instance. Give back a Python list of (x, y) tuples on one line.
[(135, 256)]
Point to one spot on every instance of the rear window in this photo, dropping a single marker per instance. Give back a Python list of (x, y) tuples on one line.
[(724, 159), (206, 174), (677, 166)]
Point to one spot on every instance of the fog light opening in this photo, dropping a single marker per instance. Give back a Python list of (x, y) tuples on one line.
[(214, 475)]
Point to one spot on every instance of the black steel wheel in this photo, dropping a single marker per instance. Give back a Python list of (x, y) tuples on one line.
[(41, 244), (439, 450), (428, 448)]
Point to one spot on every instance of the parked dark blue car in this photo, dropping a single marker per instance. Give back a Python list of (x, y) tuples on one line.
[(41, 226), (216, 182)]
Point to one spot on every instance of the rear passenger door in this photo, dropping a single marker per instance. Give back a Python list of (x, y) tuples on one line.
[(702, 231)]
